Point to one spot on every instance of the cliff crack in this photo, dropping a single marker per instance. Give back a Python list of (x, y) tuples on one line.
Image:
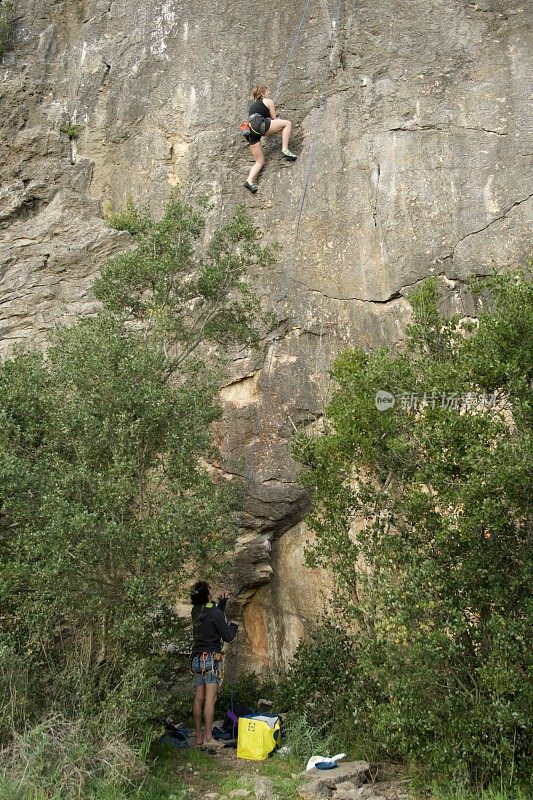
[(484, 228), (447, 129), (12, 299), (482, 130), (241, 379), (375, 205), (394, 296), (398, 294)]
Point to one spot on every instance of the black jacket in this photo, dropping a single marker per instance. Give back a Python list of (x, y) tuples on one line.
[(209, 628)]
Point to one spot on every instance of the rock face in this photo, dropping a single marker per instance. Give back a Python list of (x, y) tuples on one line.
[(411, 125), (281, 611)]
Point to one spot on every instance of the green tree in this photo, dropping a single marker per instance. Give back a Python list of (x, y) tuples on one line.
[(108, 504), (423, 516), (183, 295)]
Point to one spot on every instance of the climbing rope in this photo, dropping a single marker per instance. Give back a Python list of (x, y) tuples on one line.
[(307, 174), (267, 369), (232, 680), (295, 39), (289, 262), (312, 150), (286, 314)]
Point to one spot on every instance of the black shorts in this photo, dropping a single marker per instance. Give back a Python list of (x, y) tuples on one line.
[(253, 138)]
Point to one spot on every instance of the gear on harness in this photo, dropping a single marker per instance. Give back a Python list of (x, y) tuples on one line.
[(258, 124), (245, 130), (212, 663)]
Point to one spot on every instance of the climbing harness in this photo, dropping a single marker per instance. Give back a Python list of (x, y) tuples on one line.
[(213, 665), (258, 124)]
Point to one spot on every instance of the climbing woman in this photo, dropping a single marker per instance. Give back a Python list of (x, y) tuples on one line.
[(264, 122)]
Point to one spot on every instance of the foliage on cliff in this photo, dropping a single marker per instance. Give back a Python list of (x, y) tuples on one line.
[(7, 17), (107, 503), (422, 512)]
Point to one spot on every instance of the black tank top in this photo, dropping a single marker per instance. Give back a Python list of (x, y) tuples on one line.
[(258, 107)]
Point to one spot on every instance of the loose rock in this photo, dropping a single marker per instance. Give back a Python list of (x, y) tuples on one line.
[(262, 788)]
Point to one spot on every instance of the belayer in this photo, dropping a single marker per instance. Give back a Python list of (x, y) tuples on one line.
[(263, 121), (209, 629)]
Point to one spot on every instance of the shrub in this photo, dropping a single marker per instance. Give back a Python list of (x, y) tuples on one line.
[(320, 664), (60, 757), (107, 503), (71, 130), (434, 582)]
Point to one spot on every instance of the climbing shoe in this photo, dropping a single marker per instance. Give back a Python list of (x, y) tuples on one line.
[(252, 187), (288, 155)]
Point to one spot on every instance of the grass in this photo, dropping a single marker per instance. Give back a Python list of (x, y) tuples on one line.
[(439, 793), (235, 781), (209, 773), (193, 773), (225, 773), (285, 776), (74, 760), (61, 759), (304, 741)]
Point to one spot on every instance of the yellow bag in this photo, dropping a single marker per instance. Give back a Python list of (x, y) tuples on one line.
[(258, 736)]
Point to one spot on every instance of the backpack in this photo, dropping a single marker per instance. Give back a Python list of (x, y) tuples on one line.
[(175, 736), (231, 719)]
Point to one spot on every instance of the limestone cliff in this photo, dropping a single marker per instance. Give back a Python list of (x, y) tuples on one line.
[(411, 125)]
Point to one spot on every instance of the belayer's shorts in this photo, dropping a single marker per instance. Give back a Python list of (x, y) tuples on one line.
[(206, 670), (253, 138)]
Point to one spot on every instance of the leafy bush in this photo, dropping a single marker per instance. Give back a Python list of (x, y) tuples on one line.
[(311, 686), (434, 580), (71, 130), (323, 685), (304, 740), (107, 503)]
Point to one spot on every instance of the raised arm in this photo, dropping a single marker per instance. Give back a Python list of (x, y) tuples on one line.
[(226, 631), (270, 105)]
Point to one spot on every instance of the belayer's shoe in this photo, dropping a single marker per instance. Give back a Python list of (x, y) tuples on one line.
[(288, 155), (252, 187)]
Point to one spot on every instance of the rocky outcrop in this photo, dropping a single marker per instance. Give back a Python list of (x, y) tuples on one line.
[(415, 164), (352, 780), (344, 781), (281, 611)]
